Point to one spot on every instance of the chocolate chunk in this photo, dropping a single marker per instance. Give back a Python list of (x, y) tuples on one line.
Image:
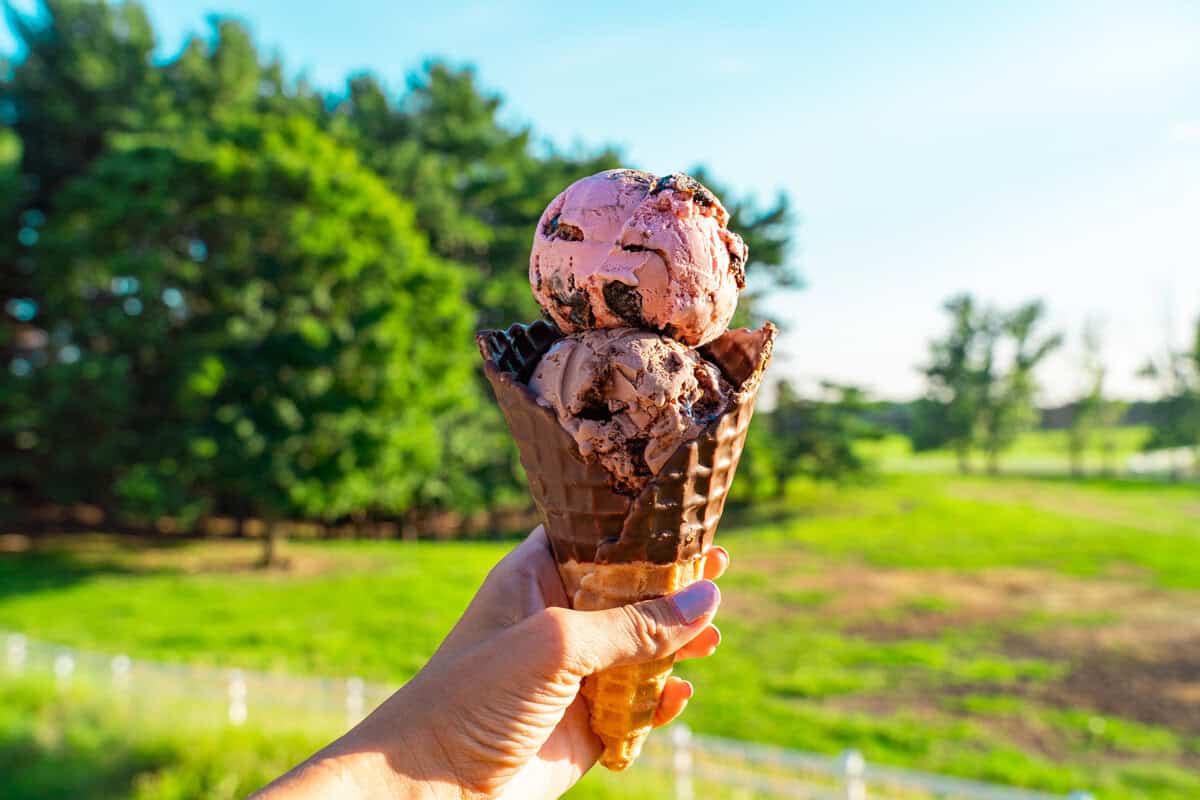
[(557, 229), (596, 410), (637, 453), (626, 303), (738, 268), (686, 184), (572, 303), (633, 175)]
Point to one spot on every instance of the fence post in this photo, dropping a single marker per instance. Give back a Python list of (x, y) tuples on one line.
[(121, 666), (64, 668), (15, 649), (355, 701), (854, 768), (237, 697), (681, 739)]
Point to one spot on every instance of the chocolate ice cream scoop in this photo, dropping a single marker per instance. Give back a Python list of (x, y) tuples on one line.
[(623, 248), (629, 398)]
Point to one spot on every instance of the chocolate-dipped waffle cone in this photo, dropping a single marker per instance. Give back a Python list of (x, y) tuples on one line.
[(612, 548)]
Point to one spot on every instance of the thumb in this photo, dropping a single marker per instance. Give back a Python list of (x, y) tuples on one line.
[(641, 632)]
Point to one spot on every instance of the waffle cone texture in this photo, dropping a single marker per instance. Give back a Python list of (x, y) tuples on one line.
[(612, 548)]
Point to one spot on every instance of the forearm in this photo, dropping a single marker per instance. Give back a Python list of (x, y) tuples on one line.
[(374, 760)]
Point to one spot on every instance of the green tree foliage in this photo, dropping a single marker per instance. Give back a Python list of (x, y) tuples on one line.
[(10, 161), (981, 379), (254, 325), (815, 437), (1008, 394), (947, 415)]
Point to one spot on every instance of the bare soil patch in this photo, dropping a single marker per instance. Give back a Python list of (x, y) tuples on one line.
[(1158, 687), (1133, 650)]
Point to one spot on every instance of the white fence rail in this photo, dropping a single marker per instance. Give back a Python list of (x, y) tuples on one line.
[(696, 763), (1174, 461)]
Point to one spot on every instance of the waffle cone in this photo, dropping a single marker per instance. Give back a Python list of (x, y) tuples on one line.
[(612, 548), (623, 699)]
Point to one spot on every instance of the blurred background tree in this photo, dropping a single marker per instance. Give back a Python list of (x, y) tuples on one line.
[(981, 380), (1093, 415), (267, 353), (1176, 418), (947, 414), (816, 436), (1010, 389)]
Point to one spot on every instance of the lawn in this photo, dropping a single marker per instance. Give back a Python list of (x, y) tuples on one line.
[(1040, 632), (1034, 452)]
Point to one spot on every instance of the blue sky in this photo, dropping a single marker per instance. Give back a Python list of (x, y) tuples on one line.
[(1033, 149)]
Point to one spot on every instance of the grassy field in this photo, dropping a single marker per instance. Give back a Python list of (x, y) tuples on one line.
[(1037, 452), (1044, 632), (56, 746)]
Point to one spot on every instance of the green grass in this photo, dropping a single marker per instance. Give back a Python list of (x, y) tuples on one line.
[(56, 746), (1042, 452), (958, 625)]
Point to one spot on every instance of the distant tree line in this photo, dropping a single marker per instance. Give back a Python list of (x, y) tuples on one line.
[(982, 387), (224, 291)]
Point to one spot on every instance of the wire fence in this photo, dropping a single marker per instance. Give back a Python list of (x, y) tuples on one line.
[(696, 765)]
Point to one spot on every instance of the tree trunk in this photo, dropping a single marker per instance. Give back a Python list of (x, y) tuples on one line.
[(993, 461), (272, 536), (964, 461)]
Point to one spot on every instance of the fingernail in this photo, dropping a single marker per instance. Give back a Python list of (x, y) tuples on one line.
[(701, 598), (691, 691)]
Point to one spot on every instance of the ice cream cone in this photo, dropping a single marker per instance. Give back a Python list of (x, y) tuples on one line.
[(612, 548), (623, 699)]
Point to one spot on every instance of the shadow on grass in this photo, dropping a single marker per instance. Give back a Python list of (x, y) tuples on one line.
[(42, 570)]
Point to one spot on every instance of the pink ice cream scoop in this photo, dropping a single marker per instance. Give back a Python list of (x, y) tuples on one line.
[(623, 248)]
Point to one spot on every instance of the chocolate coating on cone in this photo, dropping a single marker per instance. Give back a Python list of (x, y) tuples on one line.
[(676, 515)]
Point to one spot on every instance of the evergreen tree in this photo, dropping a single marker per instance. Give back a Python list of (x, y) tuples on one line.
[(250, 323)]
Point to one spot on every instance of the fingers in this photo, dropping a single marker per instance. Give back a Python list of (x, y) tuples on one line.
[(703, 646), (674, 700), (716, 562), (594, 640)]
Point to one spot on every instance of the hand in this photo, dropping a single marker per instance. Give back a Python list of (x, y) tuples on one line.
[(496, 712)]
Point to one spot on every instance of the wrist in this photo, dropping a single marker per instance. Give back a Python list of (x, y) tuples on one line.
[(393, 754)]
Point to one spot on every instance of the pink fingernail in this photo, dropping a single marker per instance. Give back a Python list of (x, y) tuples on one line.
[(701, 598)]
